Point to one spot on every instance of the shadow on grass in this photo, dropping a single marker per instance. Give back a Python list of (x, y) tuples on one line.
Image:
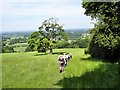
[(58, 52), (105, 76), (91, 59), (39, 54), (95, 59)]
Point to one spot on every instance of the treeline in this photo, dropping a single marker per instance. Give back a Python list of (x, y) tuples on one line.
[(77, 39), (5, 49), (15, 35), (7, 46), (76, 33), (105, 36), (18, 40), (79, 43)]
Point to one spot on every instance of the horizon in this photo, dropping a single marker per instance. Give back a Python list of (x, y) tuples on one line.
[(29, 14), (75, 29)]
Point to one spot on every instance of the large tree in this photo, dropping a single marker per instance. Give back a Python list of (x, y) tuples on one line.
[(105, 39), (49, 33)]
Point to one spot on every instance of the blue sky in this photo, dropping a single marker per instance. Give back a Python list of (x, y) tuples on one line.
[(25, 15)]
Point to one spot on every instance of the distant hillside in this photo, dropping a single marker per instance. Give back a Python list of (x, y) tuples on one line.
[(73, 33), (76, 33)]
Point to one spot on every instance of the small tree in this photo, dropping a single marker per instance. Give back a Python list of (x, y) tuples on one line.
[(52, 31), (49, 33)]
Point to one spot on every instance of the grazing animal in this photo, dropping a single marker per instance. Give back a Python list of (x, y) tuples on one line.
[(61, 60), (69, 56), (66, 58)]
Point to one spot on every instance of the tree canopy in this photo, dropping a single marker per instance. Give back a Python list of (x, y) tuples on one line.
[(105, 38), (49, 33)]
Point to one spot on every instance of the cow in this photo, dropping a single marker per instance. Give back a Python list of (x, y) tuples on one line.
[(69, 56), (62, 62), (66, 58)]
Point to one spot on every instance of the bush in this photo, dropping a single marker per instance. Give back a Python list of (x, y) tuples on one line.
[(84, 43), (74, 44), (86, 51), (7, 49), (106, 48), (28, 49), (62, 44)]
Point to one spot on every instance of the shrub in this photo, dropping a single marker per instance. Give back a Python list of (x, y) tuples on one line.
[(62, 44), (28, 49), (7, 49), (106, 47)]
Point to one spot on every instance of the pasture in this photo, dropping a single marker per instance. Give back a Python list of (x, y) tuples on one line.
[(39, 70), (19, 47)]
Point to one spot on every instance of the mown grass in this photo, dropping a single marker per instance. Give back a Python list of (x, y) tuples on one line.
[(39, 70)]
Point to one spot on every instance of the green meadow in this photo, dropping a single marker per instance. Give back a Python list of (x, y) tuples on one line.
[(40, 70)]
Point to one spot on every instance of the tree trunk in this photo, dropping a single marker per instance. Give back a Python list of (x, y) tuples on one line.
[(51, 50)]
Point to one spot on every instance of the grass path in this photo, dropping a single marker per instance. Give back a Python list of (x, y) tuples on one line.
[(38, 70)]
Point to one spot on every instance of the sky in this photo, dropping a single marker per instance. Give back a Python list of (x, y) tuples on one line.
[(28, 15)]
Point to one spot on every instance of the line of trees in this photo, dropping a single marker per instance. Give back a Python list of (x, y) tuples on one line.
[(79, 43), (5, 49), (52, 35), (18, 40), (105, 38)]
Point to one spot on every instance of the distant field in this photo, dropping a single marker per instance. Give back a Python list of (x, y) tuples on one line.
[(19, 47), (38, 70)]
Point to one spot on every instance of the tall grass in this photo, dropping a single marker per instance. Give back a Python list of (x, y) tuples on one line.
[(39, 70)]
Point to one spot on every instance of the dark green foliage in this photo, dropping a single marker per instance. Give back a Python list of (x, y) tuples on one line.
[(7, 49), (79, 43), (104, 46), (105, 36), (44, 45), (62, 44), (74, 34), (3, 44), (86, 51), (18, 40), (38, 42), (83, 42), (28, 49), (50, 32)]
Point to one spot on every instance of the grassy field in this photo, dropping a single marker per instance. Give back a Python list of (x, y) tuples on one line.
[(39, 70), (19, 47)]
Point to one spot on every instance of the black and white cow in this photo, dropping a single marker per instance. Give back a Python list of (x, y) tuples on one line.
[(62, 62), (69, 56), (63, 59)]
